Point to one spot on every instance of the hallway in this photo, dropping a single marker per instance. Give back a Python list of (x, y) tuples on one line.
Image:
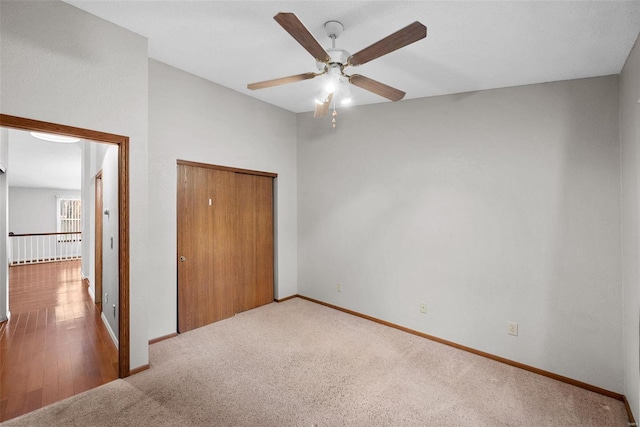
[(55, 345)]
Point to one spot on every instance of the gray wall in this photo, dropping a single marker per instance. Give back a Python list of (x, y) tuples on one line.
[(63, 65), (630, 140), (193, 119), (490, 207)]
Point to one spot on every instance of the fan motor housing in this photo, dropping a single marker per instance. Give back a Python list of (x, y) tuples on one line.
[(337, 56)]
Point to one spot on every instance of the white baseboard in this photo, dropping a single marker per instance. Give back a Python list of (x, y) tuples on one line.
[(111, 334), (91, 294)]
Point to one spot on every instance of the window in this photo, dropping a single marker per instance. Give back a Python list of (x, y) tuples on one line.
[(69, 218)]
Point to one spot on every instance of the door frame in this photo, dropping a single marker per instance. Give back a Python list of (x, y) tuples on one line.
[(123, 210), (272, 175), (226, 168)]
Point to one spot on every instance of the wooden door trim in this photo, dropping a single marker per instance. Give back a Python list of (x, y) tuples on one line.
[(98, 239), (123, 209), (226, 168)]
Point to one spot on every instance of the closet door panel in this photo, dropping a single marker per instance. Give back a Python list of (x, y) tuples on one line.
[(206, 246), (223, 245), (255, 246), (194, 228)]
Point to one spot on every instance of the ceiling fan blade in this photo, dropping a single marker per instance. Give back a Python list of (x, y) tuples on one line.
[(409, 34), (281, 81), (322, 109), (291, 23), (376, 87)]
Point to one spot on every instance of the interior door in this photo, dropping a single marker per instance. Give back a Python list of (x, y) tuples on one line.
[(206, 233)]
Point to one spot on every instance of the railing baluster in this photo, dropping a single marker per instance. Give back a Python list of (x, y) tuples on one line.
[(44, 247)]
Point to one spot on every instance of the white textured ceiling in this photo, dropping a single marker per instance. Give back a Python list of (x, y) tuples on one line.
[(470, 46), (41, 164)]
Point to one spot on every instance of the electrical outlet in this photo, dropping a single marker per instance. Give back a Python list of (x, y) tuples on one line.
[(423, 308), (339, 287), (106, 297), (513, 329)]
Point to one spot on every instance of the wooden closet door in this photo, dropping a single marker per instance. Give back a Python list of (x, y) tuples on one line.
[(254, 216), (206, 246)]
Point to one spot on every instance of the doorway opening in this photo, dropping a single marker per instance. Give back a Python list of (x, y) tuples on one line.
[(122, 144)]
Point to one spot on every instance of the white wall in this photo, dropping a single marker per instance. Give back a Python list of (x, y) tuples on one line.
[(194, 119), (110, 281), (490, 207), (62, 65), (34, 210), (4, 226), (630, 141), (92, 157), (88, 227), (4, 148)]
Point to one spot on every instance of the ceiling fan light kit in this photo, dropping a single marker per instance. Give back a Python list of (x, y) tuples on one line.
[(332, 62)]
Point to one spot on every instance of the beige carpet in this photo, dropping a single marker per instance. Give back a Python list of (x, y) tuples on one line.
[(301, 364)]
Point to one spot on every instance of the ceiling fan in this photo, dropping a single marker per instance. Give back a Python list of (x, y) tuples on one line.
[(332, 62)]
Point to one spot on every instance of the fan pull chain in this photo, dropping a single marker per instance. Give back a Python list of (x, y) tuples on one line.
[(333, 115)]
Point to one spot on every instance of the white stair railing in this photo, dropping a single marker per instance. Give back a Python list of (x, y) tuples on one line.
[(44, 247)]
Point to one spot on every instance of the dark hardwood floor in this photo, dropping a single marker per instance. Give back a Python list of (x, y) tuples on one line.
[(55, 345)]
